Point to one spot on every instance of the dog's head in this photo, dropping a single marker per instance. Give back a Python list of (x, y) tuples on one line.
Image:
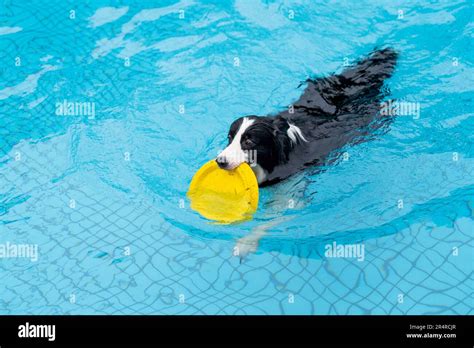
[(255, 140)]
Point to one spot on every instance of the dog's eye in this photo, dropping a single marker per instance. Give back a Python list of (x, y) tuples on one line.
[(249, 142)]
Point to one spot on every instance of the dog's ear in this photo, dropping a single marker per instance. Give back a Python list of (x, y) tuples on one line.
[(282, 145)]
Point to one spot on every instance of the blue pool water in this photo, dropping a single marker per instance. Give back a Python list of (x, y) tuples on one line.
[(103, 194)]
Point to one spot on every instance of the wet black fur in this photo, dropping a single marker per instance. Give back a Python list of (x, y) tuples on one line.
[(332, 112)]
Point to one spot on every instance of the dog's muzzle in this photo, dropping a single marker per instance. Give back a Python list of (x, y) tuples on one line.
[(230, 158)]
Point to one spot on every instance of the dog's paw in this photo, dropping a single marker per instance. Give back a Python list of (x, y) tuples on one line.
[(245, 246)]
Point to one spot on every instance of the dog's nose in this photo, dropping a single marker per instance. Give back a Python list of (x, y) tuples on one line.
[(222, 162)]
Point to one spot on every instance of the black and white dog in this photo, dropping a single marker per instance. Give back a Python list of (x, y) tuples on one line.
[(332, 112)]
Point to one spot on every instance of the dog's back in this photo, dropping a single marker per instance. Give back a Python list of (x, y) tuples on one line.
[(337, 110)]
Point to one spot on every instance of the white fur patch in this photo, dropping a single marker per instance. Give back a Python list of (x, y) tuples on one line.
[(233, 154), (295, 134), (260, 173)]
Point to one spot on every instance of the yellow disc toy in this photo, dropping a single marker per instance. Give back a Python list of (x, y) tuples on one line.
[(224, 196)]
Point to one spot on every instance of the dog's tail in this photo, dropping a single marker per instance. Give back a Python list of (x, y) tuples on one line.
[(358, 86), (366, 77)]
